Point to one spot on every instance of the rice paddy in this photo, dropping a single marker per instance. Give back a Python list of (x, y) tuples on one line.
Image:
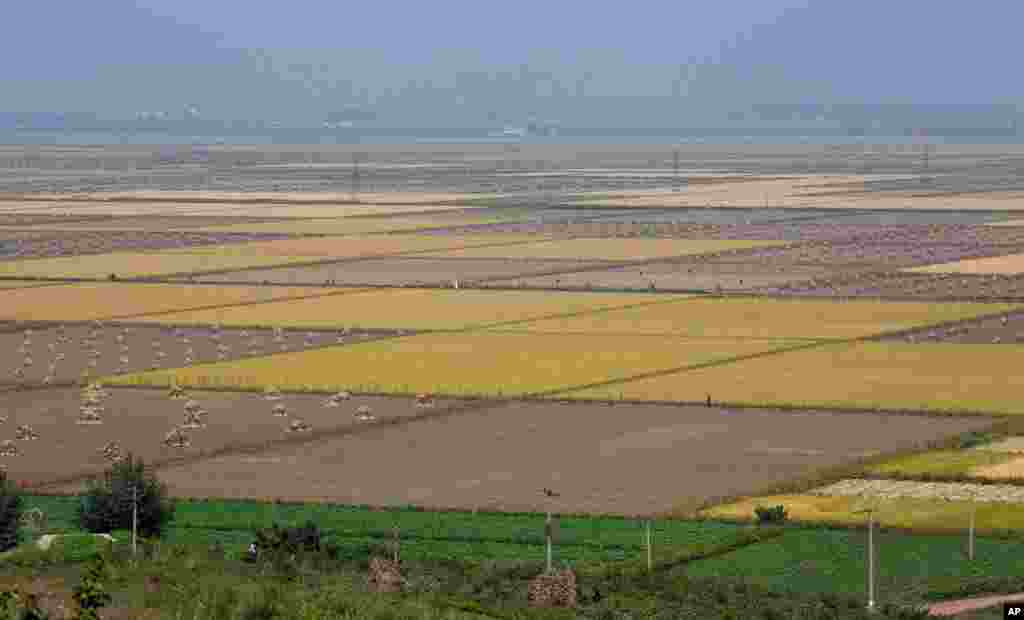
[(413, 309), (941, 463), (753, 317), (92, 301), (933, 377), (464, 364)]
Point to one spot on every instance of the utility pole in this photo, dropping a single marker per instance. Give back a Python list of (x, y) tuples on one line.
[(135, 519), (970, 533), (355, 177), (675, 170), (871, 557), (547, 536), (650, 562)]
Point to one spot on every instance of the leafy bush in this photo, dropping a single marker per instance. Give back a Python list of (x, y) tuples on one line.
[(771, 515), (972, 439), (107, 504), (90, 594), (291, 540), (11, 503)]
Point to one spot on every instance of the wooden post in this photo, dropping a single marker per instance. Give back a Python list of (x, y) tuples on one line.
[(396, 544), (650, 563)]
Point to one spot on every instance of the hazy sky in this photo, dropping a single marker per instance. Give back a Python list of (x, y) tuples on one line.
[(233, 55)]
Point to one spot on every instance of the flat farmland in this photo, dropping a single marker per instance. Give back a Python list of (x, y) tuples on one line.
[(637, 459), (676, 275), (922, 377), (907, 285), (607, 249), (139, 419), (754, 317), (108, 301), (412, 309), (110, 349), (236, 256), (934, 514), (403, 271), (995, 265), (460, 364), (79, 243), (126, 222), (358, 225)]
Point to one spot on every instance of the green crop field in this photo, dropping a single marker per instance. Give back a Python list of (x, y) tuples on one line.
[(827, 560), (426, 535)]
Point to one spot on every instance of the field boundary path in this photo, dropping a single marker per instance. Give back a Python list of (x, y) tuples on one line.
[(959, 606)]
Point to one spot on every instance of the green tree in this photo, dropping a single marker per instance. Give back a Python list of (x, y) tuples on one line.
[(11, 503), (90, 594), (107, 504)]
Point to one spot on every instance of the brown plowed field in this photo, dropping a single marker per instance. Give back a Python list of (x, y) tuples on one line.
[(624, 459), (141, 351), (138, 420)]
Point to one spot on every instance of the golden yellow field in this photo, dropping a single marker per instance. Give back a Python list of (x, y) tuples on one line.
[(138, 264), (414, 309), (766, 318), (929, 514), (238, 256), (76, 302), (931, 377), (493, 364), (1001, 265), (22, 283), (609, 249)]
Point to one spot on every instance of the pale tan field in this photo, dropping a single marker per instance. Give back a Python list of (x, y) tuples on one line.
[(414, 309), (412, 198), (460, 364), (928, 377), (998, 265), (932, 513), (764, 318), (202, 259), (1013, 222), (609, 249), (137, 264), (220, 209), (824, 191), (78, 302), (350, 225), (1011, 469)]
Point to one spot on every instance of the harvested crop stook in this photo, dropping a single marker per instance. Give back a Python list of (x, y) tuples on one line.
[(106, 301), (766, 318), (413, 309), (609, 249), (929, 377), (458, 364)]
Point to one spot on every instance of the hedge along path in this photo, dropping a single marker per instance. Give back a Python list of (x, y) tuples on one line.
[(115, 301), (234, 257), (408, 308)]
